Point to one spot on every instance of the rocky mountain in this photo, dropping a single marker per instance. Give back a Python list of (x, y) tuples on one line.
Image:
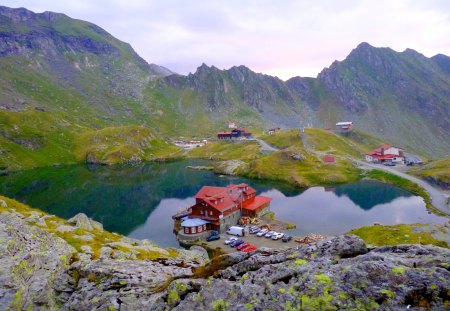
[(61, 77), (403, 96)]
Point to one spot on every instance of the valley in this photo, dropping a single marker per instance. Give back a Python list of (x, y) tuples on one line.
[(91, 171)]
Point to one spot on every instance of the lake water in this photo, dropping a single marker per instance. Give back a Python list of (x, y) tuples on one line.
[(139, 201)]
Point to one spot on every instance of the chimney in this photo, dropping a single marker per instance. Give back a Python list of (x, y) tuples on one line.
[(382, 150)]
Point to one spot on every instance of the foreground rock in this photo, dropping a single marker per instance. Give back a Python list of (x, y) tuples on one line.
[(334, 274), (39, 271)]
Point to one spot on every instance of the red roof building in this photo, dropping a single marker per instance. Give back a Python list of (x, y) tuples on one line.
[(386, 153), (329, 159), (222, 207), (237, 133)]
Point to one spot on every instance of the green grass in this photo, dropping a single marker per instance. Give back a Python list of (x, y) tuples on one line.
[(283, 139), (120, 144), (395, 235), (355, 144), (308, 172), (438, 170), (230, 150)]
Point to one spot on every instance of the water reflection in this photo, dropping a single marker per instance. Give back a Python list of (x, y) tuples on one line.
[(139, 201)]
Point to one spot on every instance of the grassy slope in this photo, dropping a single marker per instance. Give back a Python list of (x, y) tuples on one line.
[(355, 144), (119, 144), (398, 234), (239, 150), (438, 170)]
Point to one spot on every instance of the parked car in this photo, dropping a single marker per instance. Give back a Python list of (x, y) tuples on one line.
[(277, 236), (243, 245), (254, 230), (389, 163), (286, 238), (249, 248), (262, 232), (229, 240), (213, 237), (269, 234), (236, 243)]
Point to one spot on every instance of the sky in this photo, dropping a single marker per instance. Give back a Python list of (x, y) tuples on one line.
[(281, 38)]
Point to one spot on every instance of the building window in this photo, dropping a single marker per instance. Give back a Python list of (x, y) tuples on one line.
[(204, 227), (186, 230), (210, 213), (199, 228), (193, 230)]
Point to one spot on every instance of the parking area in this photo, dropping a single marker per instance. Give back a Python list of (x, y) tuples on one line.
[(252, 239)]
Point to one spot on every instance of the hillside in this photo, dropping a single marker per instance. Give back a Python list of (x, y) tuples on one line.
[(61, 78), (436, 172)]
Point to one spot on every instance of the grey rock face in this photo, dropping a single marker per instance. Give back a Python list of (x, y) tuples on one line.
[(334, 273), (30, 260), (81, 221)]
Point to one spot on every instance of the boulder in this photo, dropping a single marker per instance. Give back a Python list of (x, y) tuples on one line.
[(83, 222)]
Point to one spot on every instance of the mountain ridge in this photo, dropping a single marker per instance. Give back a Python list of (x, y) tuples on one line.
[(81, 78)]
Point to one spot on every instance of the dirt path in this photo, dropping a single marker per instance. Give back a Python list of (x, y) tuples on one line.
[(438, 198), (265, 146)]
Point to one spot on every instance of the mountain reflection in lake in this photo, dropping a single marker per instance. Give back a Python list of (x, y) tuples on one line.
[(139, 201)]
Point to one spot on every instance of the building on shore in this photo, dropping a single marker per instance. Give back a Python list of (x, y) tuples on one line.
[(237, 133), (218, 208), (386, 153)]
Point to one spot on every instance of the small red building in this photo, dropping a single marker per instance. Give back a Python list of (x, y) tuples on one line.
[(329, 159), (217, 208)]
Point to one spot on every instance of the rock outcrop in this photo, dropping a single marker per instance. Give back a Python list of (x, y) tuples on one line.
[(40, 271), (81, 221)]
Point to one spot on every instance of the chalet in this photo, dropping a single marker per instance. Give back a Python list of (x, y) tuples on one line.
[(237, 133), (344, 127), (386, 153), (217, 208)]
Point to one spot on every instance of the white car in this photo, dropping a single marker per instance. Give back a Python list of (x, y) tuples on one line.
[(277, 235), (228, 241), (269, 234), (262, 232)]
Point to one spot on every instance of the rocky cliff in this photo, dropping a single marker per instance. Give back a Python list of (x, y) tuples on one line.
[(41, 271)]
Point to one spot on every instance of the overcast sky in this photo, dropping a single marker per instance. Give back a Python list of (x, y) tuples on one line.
[(284, 38)]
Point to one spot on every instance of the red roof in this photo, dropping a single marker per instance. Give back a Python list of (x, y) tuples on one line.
[(223, 198), (256, 202), (383, 157), (329, 159), (384, 147), (224, 133)]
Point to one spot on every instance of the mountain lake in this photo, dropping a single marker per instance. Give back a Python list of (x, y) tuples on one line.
[(138, 201)]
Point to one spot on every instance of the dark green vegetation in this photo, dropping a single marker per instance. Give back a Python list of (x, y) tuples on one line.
[(63, 78), (401, 234)]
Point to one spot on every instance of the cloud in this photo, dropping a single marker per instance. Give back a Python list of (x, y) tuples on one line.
[(283, 38)]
